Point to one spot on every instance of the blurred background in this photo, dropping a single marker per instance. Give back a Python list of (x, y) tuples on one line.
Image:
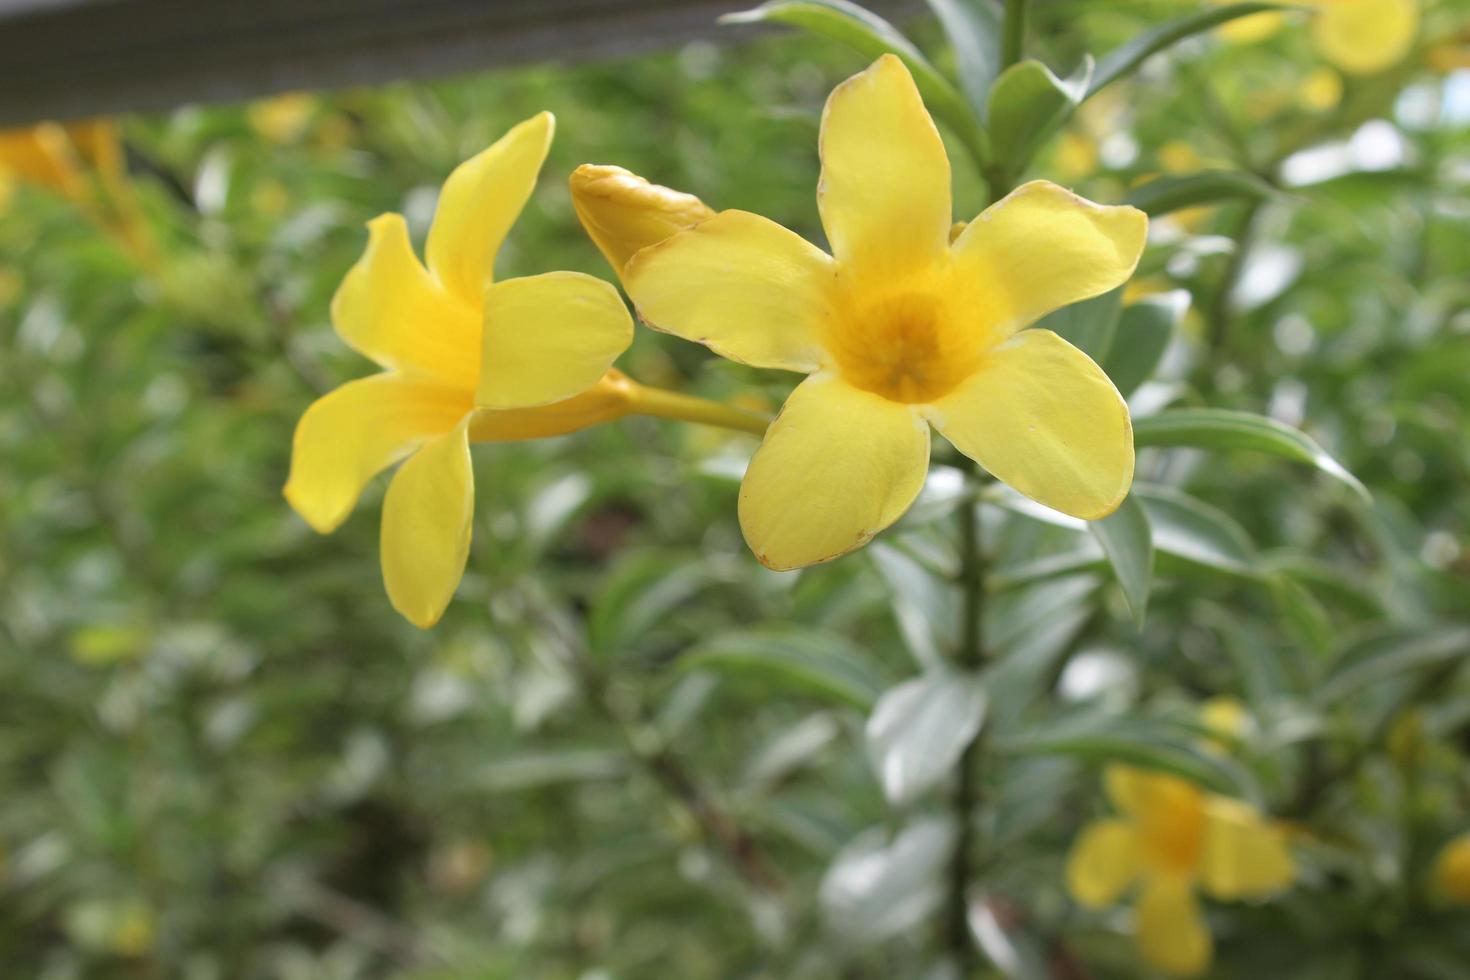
[(223, 755)]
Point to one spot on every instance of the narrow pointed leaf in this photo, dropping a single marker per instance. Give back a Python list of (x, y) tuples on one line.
[(1090, 325), (974, 29), (1125, 60), (1142, 335), (1027, 103), (1218, 428), (1174, 192), (872, 36), (1128, 541), (1191, 530), (804, 660)]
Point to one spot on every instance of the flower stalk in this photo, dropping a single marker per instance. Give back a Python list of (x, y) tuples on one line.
[(664, 404)]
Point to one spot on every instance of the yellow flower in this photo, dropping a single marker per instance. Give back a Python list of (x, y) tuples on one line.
[(1227, 720), (898, 330), (44, 156), (1320, 91), (1361, 37), (282, 118), (465, 358), (1076, 155), (1171, 839), (1452, 870), (623, 213)]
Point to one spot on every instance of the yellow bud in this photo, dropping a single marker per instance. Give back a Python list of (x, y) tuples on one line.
[(1452, 870), (624, 213)]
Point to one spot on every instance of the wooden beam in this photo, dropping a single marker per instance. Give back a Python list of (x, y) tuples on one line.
[(67, 59)]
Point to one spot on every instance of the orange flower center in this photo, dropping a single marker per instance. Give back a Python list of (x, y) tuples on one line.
[(1173, 834), (907, 346)]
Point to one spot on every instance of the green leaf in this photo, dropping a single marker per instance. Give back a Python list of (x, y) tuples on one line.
[(919, 729), (1218, 428), (925, 606), (1174, 192), (973, 28), (533, 770), (1187, 528), (641, 593), (1128, 542), (1126, 59), (1089, 325), (1391, 654), (876, 889), (872, 36), (1027, 103), (1143, 334), (1305, 619), (816, 662), (1147, 744)]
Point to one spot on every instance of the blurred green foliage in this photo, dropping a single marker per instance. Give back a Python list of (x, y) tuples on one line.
[(628, 750)]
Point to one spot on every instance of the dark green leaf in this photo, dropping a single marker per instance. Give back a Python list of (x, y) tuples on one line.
[(1126, 59), (641, 593), (1174, 192), (1089, 325), (872, 36), (1143, 334), (1027, 103), (1147, 744), (1392, 653), (1192, 530), (973, 28), (808, 660), (1218, 428), (1128, 542)]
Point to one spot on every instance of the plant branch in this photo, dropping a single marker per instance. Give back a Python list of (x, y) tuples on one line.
[(1013, 42), (969, 657)]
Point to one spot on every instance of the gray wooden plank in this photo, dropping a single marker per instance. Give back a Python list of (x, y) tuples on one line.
[(66, 59)]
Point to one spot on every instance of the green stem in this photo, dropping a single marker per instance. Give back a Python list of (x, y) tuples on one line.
[(1013, 42), (663, 404), (1220, 313), (969, 658)]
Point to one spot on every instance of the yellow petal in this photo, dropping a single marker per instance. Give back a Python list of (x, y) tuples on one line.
[(390, 309), (427, 515), (549, 337), (348, 435), (837, 466), (740, 284), (1041, 248), (1104, 861), (1043, 418), (1245, 856), (97, 141), (1143, 792), (42, 155), (1172, 935), (884, 193), (1366, 36), (479, 203), (1452, 870), (624, 213)]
